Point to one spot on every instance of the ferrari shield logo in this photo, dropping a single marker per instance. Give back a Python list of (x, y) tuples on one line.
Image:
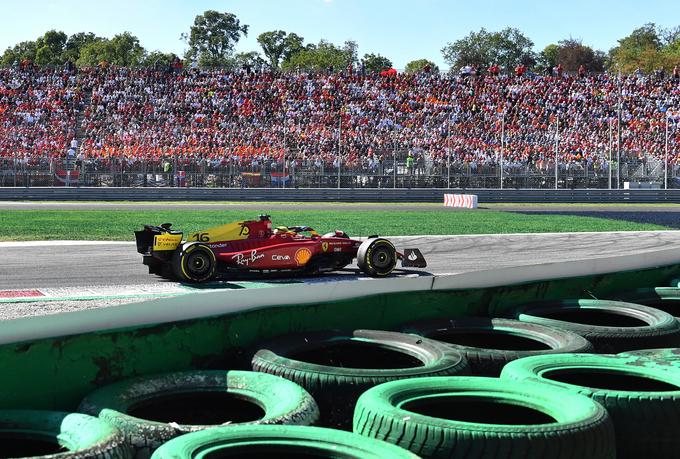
[(324, 246)]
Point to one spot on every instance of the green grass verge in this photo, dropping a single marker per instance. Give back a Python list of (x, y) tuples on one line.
[(21, 225)]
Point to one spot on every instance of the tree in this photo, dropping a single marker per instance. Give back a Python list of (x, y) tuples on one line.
[(75, 44), (251, 59), (572, 54), (49, 48), (547, 59), (640, 49), (321, 57), (351, 49), (22, 51), (277, 45), (506, 48), (375, 63), (419, 65), (123, 50), (158, 59), (213, 37)]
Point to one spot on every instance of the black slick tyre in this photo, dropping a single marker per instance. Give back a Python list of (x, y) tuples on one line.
[(488, 344), (475, 417), (611, 326), (58, 435), (281, 442), (643, 402), (377, 257), (151, 410), (194, 262), (337, 367)]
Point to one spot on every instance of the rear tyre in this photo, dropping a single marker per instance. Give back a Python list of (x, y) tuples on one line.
[(377, 257), (194, 262)]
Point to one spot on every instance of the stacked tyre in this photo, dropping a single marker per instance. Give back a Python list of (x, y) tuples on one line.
[(475, 417), (336, 368), (152, 410), (643, 401), (29, 433), (611, 326), (488, 344)]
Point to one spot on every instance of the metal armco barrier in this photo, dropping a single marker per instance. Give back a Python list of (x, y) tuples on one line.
[(404, 195)]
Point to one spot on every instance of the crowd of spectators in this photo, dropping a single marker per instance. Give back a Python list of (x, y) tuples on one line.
[(218, 119)]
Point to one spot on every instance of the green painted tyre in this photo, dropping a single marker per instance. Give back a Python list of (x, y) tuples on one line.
[(337, 367), (643, 402), (57, 435), (611, 326), (475, 417), (666, 299), (377, 257), (488, 344), (666, 357), (281, 442), (194, 262), (151, 410)]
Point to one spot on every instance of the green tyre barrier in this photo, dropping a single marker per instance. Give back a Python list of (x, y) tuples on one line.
[(643, 402), (337, 367), (152, 410), (669, 357), (611, 326), (666, 299), (488, 344), (479, 417), (58, 435), (281, 442)]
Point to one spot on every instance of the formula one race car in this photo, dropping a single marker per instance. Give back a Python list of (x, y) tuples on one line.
[(255, 247)]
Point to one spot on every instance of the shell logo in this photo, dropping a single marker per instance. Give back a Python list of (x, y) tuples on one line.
[(302, 256)]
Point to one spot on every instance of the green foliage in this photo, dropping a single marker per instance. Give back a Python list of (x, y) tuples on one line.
[(419, 64), (248, 59), (158, 59), (374, 63), (279, 46), (50, 48), (213, 37), (547, 59), (506, 48), (319, 57), (123, 50), (647, 48), (18, 53), (572, 54), (75, 44)]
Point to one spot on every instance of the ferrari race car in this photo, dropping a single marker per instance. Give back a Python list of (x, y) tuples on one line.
[(254, 246)]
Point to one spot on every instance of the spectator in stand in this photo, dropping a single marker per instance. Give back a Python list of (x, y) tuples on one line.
[(494, 70), (520, 70)]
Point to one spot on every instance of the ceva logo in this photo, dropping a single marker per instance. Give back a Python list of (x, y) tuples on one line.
[(277, 257)]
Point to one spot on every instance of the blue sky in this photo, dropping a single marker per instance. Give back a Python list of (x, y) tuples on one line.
[(400, 30)]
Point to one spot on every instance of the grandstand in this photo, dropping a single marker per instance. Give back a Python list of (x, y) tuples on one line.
[(134, 127)]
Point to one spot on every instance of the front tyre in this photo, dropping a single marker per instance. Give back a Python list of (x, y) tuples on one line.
[(194, 262), (377, 257)]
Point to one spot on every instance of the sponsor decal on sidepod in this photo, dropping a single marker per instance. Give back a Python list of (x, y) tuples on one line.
[(242, 259)]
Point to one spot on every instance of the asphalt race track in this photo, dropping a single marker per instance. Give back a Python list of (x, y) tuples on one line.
[(29, 265)]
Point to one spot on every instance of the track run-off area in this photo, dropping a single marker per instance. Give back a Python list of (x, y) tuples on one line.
[(45, 277)]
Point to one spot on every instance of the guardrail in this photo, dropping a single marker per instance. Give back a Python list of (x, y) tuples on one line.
[(404, 195)]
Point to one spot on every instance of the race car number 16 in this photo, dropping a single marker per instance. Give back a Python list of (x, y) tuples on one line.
[(201, 237)]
